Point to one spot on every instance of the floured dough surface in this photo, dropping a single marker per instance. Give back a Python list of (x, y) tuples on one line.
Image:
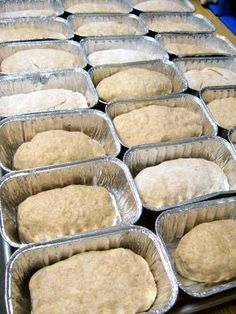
[(154, 124), (64, 211), (178, 180), (91, 7), (224, 111), (56, 147), (43, 100), (159, 5), (207, 253), (210, 76), (192, 48), (112, 281), (134, 83), (36, 60), (27, 13), (166, 25), (106, 28)]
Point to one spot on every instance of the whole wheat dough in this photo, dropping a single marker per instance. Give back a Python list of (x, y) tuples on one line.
[(27, 13), (36, 60), (178, 180), (133, 83), (224, 111), (43, 100), (112, 281), (95, 8), (64, 211), (192, 48), (56, 147), (106, 28), (165, 25), (159, 5), (210, 76), (154, 124), (207, 253)]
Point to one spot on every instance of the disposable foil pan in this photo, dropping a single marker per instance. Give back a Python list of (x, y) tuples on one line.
[(148, 45), (30, 8), (186, 5), (130, 20), (232, 138), (26, 261), (122, 6), (7, 49), (179, 84), (219, 45), (59, 26), (110, 173), (117, 108), (16, 130), (214, 149), (203, 25), (172, 225), (76, 80)]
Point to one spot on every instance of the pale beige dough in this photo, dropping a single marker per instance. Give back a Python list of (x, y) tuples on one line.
[(56, 147), (224, 111), (133, 83), (27, 13), (178, 180), (154, 124), (210, 76), (165, 25), (191, 49), (94, 8), (207, 253), (43, 100), (159, 5), (36, 60), (64, 211), (112, 281)]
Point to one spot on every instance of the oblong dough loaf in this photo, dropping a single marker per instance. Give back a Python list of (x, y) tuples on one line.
[(134, 83), (207, 253), (158, 5), (91, 7), (112, 281), (178, 180), (56, 147), (224, 111)]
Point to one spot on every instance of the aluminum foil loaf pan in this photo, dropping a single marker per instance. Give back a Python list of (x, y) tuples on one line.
[(197, 45), (17, 130), (26, 261), (97, 6), (190, 102), (214, 149), (171, 226), (76, 80), (179, 84), (30, 8), (109, 173), (158, 6), (232, 138), (131, 20), (8, 49), (150, 48), (19, 29)]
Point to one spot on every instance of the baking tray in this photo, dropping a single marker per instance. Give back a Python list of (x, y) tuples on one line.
[(186, 6), (98, 73), (215, 149), (59, 26), (109, 173), (219, 45), (117, 108), (147, 45), (202, 24), (232, 138), (7, 49), (76, 80), (30, 8), (28, 260), (19, 129), (131, 20), (172, 225)]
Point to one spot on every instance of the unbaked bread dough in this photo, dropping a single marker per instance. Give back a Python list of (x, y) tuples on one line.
[(159, 6), (56, 147), (106, 28), (207, 253), (192, 48), (154, 124), (43, 100), (224, 111), (210, 76), (133, 83), (64, 211), (36, 60), (27, 13), (165, 25), (178, 180), (112, 281), (91, 7)]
